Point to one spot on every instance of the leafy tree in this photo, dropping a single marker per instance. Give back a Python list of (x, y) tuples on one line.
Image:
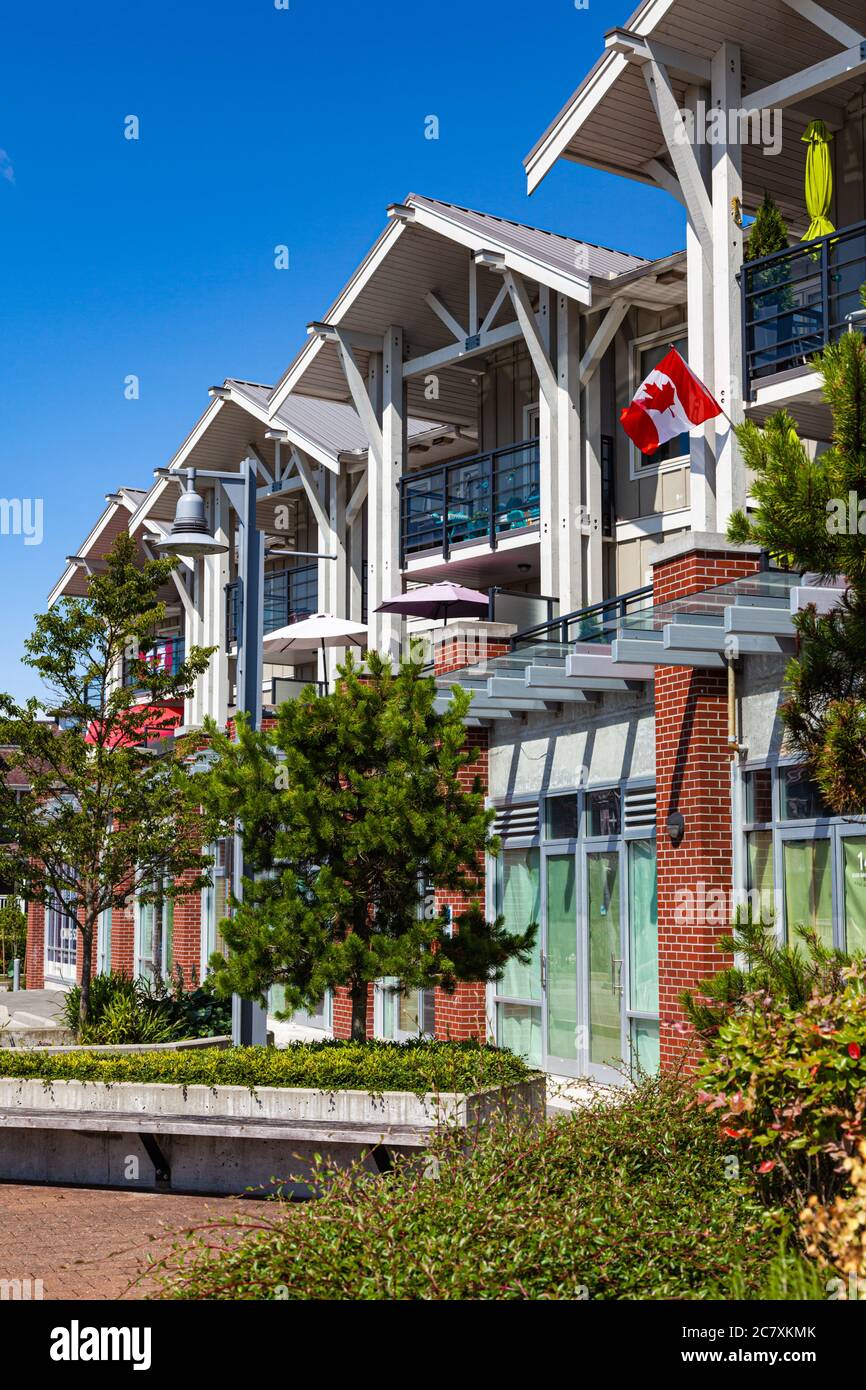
[(106, 816), (811, 515), (350, 806), (768, 232)]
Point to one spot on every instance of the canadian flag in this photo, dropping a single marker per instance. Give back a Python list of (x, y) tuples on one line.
[(670, 402)]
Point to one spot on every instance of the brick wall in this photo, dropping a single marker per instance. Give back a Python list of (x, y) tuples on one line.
[(693, 777)]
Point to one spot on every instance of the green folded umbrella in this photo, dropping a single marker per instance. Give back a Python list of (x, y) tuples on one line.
[(819, 179)]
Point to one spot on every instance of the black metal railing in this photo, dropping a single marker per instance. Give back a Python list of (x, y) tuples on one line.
[(471, 499), (289, 595), (165, 655), (798, 300), (595, 623)]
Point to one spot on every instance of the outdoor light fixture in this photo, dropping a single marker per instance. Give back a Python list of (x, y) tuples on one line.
[(676, 826), (189, 533)]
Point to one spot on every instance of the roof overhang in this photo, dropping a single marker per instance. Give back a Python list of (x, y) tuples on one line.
[(609, 123), (427, 249)]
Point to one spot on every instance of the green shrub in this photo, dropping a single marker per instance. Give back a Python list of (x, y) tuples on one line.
[(124, 1010), (789, 973), (788, 1086), (326, 1066), (613, 1202)]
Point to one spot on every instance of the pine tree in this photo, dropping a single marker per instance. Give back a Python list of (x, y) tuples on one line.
[(106, 817), (352, 808), (811, 516)]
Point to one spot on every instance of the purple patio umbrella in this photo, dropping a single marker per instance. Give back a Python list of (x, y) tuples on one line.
[(443, 600)]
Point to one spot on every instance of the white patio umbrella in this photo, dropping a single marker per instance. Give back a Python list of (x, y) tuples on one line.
[(314, 634)]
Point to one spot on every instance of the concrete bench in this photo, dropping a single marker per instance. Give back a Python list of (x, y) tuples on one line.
[(377, 1140), (224, 1139)]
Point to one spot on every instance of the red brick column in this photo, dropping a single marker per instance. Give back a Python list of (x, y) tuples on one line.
[(34, 956), (693, 777)]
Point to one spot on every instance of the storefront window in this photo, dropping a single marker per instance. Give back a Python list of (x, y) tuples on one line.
[(801, 798), (562, 817), (808, 869), (518, 1017), (759, 796), (603, 814), (562, 955), (854, 870), (762, 897)]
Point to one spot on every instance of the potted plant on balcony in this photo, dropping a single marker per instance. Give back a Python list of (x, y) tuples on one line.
[(772, 298)]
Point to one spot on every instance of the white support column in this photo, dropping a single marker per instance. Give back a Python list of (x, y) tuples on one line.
[(219, 578), (547, 472), (375, 592), (727, 187), (569, 503), (702, 481), (594, 591), (393, 463), (355, 534)]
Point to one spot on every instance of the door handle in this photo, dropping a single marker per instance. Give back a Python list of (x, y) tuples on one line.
[(543, 970), (616, 984)]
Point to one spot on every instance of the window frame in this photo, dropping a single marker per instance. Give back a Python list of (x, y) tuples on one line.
[(636, 469)]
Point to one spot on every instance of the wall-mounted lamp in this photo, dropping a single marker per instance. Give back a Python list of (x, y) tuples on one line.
[(676, 826)]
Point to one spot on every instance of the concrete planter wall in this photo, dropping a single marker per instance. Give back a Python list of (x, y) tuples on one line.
[(218, 1156)]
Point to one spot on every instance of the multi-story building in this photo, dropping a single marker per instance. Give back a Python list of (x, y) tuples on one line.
[(454, 413)]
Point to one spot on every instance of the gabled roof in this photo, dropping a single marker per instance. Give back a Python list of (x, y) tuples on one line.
[(112, 521), (609, 122), (332, 426), (427, 246)]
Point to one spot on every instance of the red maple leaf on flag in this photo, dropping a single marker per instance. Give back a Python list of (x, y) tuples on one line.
[(657, 397)]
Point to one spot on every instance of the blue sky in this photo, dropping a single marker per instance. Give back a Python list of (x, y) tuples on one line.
[(258, 126)]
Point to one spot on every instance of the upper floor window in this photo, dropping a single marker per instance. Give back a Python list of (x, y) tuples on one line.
[(646, 353)]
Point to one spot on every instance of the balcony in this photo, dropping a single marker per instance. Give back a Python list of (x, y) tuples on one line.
[(289, 595), (165, 655), (797, 301), (478, 500)]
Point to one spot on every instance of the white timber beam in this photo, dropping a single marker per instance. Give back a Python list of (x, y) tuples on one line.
[(375, 469), (727, 186), (536, 335), (809, 82), (313, 491), (473, 297), (699, 295), (823, 19), (459, 352), (356, 501), (443, 313), (487, 321), (601, 340), (567, 458), (360, 395), (660, 174), (329, 332), (682, 153), (393, 464), (690, 66)]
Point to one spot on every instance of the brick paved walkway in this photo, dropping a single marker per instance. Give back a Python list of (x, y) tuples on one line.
[(90, 1243)]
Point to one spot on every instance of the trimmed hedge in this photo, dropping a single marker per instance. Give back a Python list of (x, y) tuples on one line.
[(325, 1066), (631, 1201)]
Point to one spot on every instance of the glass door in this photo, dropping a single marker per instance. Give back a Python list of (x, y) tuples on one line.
[(518, 997), (807, 882), (559, 963), (603, 950), (851, 877), (642, 964)]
